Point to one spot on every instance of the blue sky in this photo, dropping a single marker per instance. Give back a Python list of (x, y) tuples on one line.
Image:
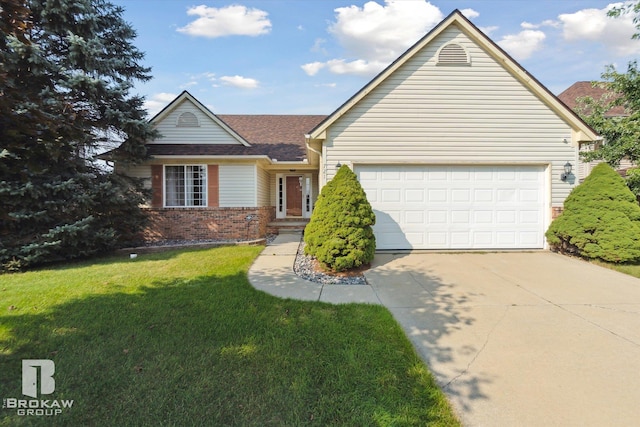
[(308, 57)]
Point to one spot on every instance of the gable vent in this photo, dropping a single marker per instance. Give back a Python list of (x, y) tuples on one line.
[(187, 120), (453, 54)]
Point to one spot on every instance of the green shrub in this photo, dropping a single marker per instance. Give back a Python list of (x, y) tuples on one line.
[(339, 233), (601, 220)]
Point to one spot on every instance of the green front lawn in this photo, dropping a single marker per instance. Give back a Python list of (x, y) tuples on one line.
[(181, 338)]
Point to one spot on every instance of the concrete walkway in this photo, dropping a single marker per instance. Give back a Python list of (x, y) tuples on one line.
[(272, 272), (513, 339)]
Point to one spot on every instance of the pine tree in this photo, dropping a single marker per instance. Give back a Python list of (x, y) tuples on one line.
[(67, 67)]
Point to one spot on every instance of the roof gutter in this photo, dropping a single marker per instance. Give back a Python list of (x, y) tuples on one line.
[(307, 137)]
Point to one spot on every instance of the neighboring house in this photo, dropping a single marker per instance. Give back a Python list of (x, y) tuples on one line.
[(572, 96), (455, 144)]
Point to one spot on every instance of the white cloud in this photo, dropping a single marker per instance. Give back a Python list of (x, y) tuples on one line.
[(489, 30), (358, 67), (377, 32), (188, 84), (226, 21), (239, 81), (550, 23), (594, 25), (317, 46), (524, 44), (312, 68), (470, 13), (158, 101), (374, 35)]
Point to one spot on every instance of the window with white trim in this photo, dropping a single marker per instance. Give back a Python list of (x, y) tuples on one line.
[(185, 186)]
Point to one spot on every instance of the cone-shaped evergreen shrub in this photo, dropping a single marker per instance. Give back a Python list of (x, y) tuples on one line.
[(601, 219), (339, 233)]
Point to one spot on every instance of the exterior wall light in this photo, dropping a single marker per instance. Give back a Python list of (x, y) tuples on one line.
[(338, 165), (567, 171)]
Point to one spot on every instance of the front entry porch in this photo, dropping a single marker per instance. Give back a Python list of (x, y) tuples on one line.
[(294, 195), (287, 225)]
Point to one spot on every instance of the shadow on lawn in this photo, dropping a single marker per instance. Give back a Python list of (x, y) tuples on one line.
[(123, 355), (210, 350)]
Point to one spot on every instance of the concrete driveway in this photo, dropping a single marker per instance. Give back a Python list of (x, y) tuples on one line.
[(521, 339)]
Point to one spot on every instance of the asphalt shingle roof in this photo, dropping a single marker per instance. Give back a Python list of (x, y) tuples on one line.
[(280, 137), (581, 89)]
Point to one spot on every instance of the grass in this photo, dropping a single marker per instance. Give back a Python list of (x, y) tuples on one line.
[(181, 338), (630, 269)]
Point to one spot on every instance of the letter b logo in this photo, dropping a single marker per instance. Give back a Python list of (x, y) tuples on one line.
[(30, 377)]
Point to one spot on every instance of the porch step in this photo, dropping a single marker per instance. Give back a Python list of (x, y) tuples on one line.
[(283, 226)]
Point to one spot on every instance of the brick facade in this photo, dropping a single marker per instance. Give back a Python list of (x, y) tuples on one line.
[(556, 211), (208, 223)]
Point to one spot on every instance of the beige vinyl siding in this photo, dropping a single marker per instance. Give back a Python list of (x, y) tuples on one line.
[(272, 190), (238, 186), (208, 131), (137, 171), (426, 113), (264, 188)]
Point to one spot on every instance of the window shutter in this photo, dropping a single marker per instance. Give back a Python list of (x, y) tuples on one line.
[(213, 186), (156, 186)]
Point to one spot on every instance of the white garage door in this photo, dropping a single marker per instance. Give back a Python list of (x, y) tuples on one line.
[(456, 207)]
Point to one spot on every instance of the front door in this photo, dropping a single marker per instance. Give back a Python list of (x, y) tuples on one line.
[(294, 196)]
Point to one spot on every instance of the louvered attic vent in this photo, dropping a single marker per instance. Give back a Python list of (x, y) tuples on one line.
[(187, 120), (453, 54)]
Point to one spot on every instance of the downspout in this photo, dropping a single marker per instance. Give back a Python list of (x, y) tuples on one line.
[(307, 137)]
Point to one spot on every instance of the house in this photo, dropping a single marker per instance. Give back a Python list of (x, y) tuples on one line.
[(572, 96), (455, 144)]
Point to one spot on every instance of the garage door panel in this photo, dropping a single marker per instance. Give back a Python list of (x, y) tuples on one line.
[(483, 195), (458, 207), (506, 216), (460, 195), (506, 195), (460, 217), (483, 217), (391, 175), (529, 195), (460, 174), (437, 217), (530, 217), (414, 195), (437, 239), (391, 195), (483, 239), (415, 217), (529, 238), (437, 195)]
